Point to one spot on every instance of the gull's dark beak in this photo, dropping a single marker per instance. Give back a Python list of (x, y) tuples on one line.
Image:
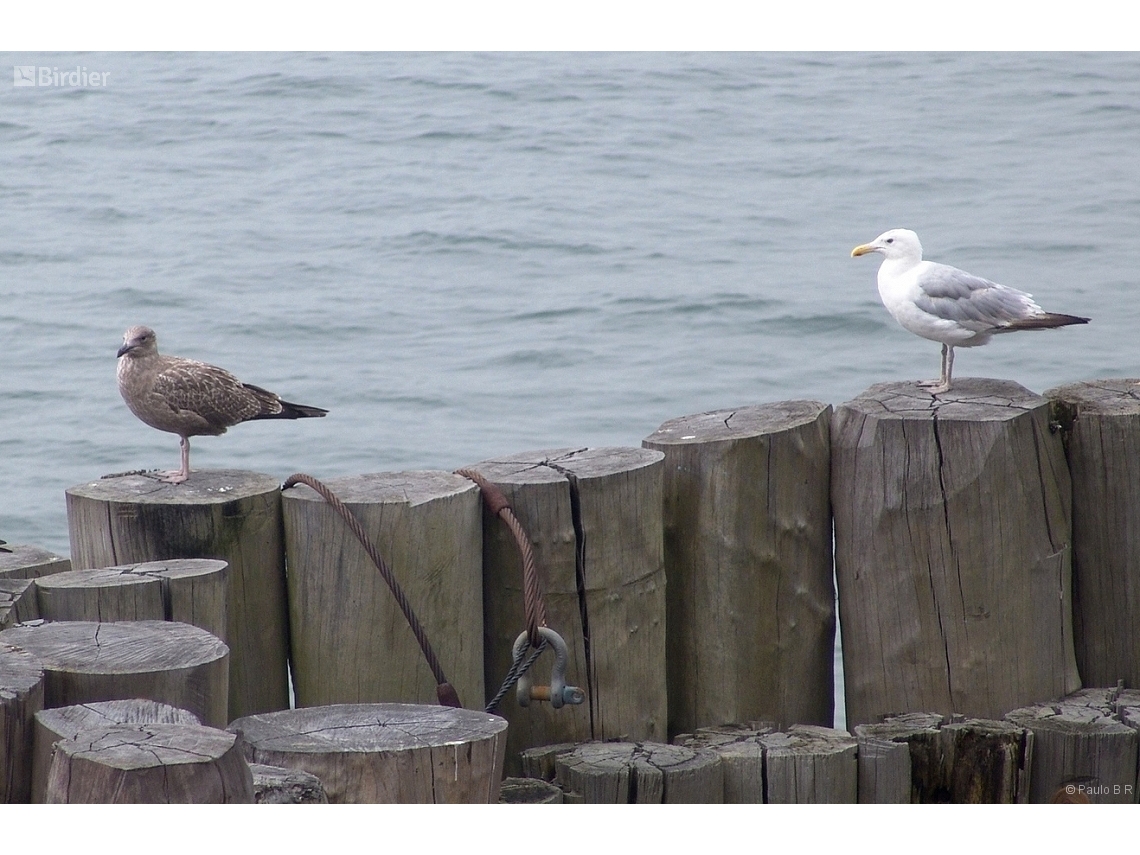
[(124, 349)]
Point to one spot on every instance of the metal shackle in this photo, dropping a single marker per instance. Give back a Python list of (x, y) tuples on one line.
[(558, 693)]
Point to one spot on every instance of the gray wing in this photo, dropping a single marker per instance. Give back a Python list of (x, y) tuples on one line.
[(955, 295)]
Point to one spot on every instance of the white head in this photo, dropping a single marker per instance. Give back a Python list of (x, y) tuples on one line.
[(895, 244)]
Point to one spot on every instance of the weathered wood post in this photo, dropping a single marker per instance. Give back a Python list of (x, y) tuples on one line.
[(17, 602), (99, 595), (149, 764), (750, 602), (164, 661), (229, 515), (274, 785), (384, 753), (973, 761), (640, 773), (30, 562), (351, 643), (21, 697), (1101, 423), (55, 725), (807, 764), (952, 550), (1081, 749), (188, 590), (594, 519)]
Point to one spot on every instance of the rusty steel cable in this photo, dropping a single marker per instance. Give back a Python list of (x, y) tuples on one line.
[(533, 604), (445, 692)]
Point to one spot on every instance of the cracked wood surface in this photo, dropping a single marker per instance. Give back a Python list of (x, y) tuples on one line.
[(55, 725), (1087, 742), (19, 561), (149, 763), (384, 753), (971, 761), (188, 590), (593, 516), (225, 514), (640, 773), (1101, 421), (21, 697), (952, 538), (164, 661), (748, 558), (350, 641), (806, 764)]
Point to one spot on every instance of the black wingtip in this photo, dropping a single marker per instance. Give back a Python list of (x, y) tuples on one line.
[(1047, 321), (301, 411)]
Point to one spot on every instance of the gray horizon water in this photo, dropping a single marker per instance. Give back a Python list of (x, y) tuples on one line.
[(464, 256)]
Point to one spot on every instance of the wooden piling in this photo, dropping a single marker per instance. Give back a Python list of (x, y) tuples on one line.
[(1081, 748), (748, 559), (741, 753), (1101, 426), (529, 791), (384, 753), (884, 770), (970, 761), (168, 662), (640, 773), (806, 764), (351, 643), (149, 764), (21, 697), (188, 590), (594, 519), (55, 725), (29, 562), (273, 785), (17, 602), (99, 595), (228, 515), (952, 538)]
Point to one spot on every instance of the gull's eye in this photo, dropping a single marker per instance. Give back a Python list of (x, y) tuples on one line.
[(890, 240)]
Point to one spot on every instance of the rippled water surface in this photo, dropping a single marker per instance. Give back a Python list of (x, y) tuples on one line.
[(470, 255)]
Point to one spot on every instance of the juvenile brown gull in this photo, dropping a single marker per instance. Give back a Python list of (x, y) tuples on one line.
[(949, 305), (191, 398)]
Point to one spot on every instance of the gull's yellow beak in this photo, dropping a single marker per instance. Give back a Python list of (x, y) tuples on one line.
[(862, 249)]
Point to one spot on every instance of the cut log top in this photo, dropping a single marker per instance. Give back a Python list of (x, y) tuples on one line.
[(1103, 397), (106, 577), (28, 562), (130, 574), (175, 568), (1079, 714), (141, 746), (971, 399), (902, 726), (736, 423), (208, 486), (69, 721), (20, 671), (544, 467), (365, 728), (412, 488), (116, 648)]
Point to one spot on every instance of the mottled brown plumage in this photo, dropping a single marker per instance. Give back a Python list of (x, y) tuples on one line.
[(191, 398)]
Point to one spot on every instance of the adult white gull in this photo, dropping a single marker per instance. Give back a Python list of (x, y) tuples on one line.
[(949, 305)]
